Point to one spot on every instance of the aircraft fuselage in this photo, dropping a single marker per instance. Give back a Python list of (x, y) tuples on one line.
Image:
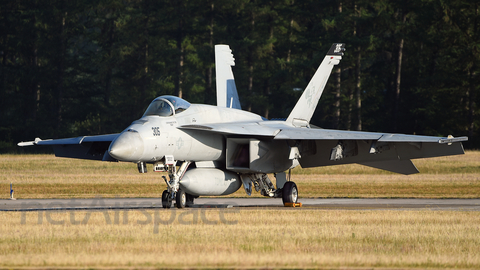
[(151, 137)]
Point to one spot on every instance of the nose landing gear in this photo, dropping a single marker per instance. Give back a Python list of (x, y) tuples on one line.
[(166, 199), (173, 192)]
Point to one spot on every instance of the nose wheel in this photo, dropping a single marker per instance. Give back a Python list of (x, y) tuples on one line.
[(181, 199), (166, 199)]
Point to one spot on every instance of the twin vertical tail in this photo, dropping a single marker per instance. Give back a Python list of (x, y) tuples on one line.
[(227, 95), (306, 105), (301, 114)]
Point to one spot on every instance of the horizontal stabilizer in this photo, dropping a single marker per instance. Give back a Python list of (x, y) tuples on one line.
[(397, 166)]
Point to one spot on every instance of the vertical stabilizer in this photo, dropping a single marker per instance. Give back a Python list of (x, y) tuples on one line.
[(227, 95), (306, 105)]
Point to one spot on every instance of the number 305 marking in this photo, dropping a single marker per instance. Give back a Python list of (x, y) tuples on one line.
[(156, 131)]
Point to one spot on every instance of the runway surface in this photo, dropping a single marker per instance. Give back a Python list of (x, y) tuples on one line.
[(155, 203)]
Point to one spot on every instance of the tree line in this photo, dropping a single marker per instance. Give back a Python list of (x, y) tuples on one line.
[(71, 68)]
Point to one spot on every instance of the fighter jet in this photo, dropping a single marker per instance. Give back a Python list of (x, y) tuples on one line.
[(215, 150)]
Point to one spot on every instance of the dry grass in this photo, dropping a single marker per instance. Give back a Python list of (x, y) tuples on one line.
[(287, 238), (44, 176), (390, 186), (279, 238)]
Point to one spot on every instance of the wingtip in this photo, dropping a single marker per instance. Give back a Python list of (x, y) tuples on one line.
[(450, 139), (30, 143)]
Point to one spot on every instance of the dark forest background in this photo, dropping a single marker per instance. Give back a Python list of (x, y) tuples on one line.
[(71, 68)]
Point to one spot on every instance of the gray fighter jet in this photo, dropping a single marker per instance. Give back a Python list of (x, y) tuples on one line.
[(214, 150)]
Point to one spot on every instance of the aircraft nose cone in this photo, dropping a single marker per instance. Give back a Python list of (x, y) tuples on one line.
[(128, 146)]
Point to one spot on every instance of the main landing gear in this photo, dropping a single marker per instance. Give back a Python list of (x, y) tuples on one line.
[(173, 192), (287, 190), (289, 193)]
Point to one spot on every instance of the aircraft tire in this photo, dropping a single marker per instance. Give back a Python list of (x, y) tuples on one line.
[(181, 199), (166, 203), (190, 200), (289, 193)]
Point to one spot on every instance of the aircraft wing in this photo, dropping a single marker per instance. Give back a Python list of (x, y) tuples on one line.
[(330, 134), (325, 147), (84, 147), (391, 152), (253, 129), (283, 132)]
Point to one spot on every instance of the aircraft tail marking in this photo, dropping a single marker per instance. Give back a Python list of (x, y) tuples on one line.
[(227, 95), (306, 105)]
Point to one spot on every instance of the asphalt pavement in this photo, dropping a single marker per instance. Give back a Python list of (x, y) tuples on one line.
[(307, 203)]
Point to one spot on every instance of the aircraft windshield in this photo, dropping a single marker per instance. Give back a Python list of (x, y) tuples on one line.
[(167, 106)]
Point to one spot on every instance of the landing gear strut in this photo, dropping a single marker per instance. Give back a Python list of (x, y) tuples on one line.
[(173, 192), (287, 190)]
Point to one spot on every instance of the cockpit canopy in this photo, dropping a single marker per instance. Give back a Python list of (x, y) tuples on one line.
[(166, 106)]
